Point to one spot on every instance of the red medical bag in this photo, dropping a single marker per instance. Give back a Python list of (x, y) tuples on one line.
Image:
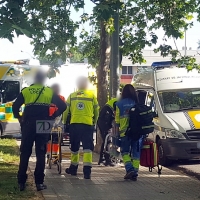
[(149, 156)]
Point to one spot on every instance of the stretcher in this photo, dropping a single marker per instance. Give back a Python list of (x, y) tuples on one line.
[(54, 152), (54, 147)]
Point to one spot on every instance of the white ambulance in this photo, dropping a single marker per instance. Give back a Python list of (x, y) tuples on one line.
[(174, 94)]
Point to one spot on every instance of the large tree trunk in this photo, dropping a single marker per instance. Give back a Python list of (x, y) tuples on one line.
[(102, 84)]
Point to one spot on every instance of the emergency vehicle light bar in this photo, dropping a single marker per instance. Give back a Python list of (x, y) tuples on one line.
[(163, 64)]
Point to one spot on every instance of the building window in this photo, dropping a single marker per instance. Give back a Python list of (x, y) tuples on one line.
[(127, 70)]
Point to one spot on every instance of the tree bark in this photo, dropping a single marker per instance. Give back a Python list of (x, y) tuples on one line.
[(102, 84)]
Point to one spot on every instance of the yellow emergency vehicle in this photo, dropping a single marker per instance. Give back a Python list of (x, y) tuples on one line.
[(14, 75)]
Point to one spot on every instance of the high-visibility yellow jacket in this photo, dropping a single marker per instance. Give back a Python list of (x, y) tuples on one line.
[(83, 108), (111, 103), (38, 110), (122, 115)]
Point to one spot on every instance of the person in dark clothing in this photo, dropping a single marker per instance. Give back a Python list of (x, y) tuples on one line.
[(105, 120), (37, 99)]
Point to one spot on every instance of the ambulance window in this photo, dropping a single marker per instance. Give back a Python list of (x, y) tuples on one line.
[(10, 90)]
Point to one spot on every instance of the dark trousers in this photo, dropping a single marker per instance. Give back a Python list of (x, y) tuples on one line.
[(29, 136), (81, 133)]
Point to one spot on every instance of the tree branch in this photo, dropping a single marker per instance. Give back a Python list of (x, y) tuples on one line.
[(95, 2)]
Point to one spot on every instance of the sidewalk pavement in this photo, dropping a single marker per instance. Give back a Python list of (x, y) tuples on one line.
[(108, 183)]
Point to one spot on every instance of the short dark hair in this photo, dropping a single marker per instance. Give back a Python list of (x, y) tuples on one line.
[(129, 92)]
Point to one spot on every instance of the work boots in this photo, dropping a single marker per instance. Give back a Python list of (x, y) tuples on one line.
[(22, 186), (41, 187), (72, 170), (87, 172)]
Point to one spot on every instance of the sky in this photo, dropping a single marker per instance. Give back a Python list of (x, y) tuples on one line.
[(22, 49)]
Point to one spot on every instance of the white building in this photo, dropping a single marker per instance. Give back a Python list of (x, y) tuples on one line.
[(128, 69)]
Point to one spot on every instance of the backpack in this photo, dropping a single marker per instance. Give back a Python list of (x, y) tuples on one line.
[(149, 156), (140, 122), (106, 117)]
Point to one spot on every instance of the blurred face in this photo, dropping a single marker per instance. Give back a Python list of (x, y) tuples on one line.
[(40, 77), (56, 89), (82, 83)]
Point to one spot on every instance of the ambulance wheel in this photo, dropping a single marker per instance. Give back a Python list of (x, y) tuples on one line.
[(162, 156)]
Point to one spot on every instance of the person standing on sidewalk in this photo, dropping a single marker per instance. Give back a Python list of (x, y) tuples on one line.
[(56, 89), (84, 110), (52, 109), (105, 120), (37, 99), (128, 100)]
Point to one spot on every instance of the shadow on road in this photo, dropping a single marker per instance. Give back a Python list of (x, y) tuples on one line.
[(189, 167)]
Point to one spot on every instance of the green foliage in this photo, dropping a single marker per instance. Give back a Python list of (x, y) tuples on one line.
[(51, 29), (140, 20), (47, 23), (93, 79), (91, 49), (76, 54), (9, 165)]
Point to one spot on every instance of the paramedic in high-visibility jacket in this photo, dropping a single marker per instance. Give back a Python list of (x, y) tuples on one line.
[(130, 149), (84, 111), (37, 99)]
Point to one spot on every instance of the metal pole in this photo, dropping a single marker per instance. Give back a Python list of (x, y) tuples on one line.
[(115, 56), (185, 44)]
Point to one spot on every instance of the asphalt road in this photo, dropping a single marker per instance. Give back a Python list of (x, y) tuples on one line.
[(191, 168)]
